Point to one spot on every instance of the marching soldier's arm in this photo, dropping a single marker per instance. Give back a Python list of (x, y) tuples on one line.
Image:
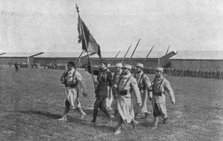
[(135, 88), (110, 79), (82, 83), (148, 86), (150, 93), (170, 91), (62, 77)]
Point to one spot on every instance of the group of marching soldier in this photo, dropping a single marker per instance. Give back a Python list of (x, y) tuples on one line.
[(123, 92), (213, 74)]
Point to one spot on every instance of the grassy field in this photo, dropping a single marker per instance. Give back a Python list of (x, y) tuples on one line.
[(32, 100)]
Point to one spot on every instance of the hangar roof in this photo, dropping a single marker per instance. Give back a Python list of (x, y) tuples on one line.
[(20, 54), (137, 54), (199, 55), (58, 55)]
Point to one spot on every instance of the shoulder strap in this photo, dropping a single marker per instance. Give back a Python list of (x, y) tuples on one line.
[(141, 77), (127, 81), (162, 82), (74, 74)]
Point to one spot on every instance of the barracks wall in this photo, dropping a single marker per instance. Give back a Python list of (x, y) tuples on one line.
[(12, 60), (150, 62), (44, 61)]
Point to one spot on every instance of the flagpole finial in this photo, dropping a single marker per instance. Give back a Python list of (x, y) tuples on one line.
[(77, 8)]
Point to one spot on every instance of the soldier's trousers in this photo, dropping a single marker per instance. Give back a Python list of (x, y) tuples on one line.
[(100, 103), (159, 109)]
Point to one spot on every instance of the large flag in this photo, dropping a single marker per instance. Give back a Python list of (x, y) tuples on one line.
[(89, 44)]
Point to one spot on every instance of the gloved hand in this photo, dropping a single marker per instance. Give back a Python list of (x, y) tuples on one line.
[(173, 101)]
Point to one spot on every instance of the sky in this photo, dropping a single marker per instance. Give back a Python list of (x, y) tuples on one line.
[(51, 25)]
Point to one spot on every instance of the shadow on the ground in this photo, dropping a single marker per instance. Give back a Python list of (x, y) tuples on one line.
[(100, 125), (43, 113)]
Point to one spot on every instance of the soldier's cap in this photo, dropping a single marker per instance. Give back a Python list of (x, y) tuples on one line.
[(118, 65), (104, 62), (159, 69), (127, 66), (140, 65), (71, 63)]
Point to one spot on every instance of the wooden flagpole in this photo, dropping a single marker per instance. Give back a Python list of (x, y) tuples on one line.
[(86, 48)]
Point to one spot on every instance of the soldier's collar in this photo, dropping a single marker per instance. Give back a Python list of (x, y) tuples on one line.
[(72, 70), (127, 75), (140, 73)]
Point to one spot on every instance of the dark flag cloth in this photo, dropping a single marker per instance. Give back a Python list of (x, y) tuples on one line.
[(89, 44)]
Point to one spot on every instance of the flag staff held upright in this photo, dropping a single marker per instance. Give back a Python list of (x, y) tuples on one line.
[(77, 60), (86, 43)]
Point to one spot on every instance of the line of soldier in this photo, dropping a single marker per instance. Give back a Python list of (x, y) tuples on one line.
[(124, 92), (213, 74)]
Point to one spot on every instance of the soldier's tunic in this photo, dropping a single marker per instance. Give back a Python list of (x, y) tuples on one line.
[(73, 89), (109, 98), (104, 78), (126, 87), (116, 80), (160, 85), (144, 85)]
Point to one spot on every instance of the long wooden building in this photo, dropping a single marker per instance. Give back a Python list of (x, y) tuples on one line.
[(198, 60), (10, 58)]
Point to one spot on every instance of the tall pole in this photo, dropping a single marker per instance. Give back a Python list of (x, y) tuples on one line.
[(126, 53), (79, 20), (79, 57), (116, 56), (135, 48), (167, 50), (148, 54)]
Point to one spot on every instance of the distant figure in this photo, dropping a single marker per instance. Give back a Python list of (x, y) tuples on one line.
[(16, 67), (73, 82), (160, 85)]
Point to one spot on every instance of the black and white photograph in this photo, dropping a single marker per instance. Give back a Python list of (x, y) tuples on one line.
[(111, 70)]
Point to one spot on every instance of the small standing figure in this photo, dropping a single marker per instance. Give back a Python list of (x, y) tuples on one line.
[(159, 87), (74, 84), (144, 85), (16, 67), (125, 89)]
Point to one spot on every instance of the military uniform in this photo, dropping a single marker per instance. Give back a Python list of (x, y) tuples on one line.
[(160, 85), (144, 85), (127, 87), (104, 80), (74, 84), (116, 80), (72, 89)]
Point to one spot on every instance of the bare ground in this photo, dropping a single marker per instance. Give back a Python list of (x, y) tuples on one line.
[(32, 100)]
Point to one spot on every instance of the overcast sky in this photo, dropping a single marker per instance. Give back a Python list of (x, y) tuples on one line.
[(51, 25)]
